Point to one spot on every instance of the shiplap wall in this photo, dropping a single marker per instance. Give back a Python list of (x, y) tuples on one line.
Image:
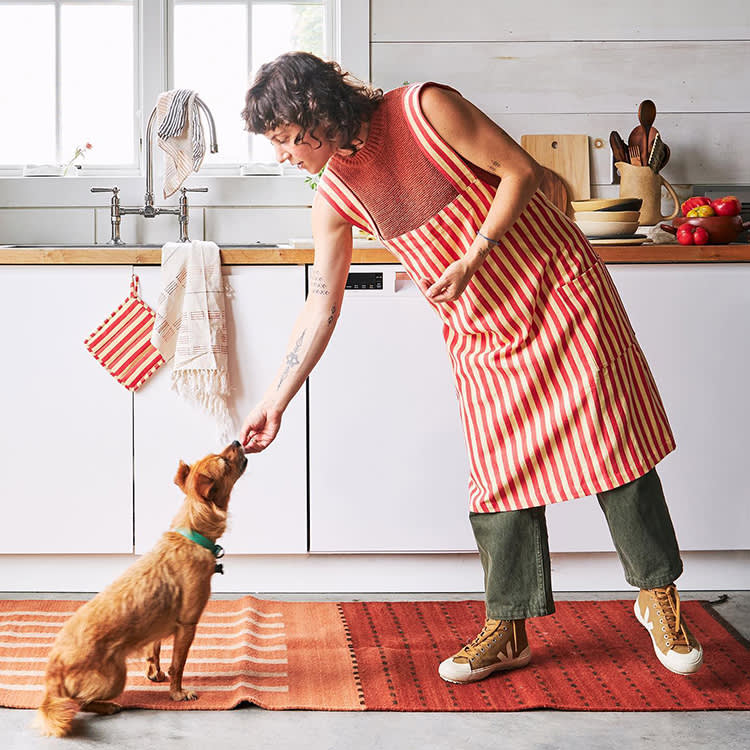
[(583, 66), (575, 67)]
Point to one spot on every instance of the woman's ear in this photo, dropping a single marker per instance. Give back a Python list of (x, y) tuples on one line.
[(182, 474)]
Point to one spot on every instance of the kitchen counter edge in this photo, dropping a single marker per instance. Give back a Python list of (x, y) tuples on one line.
[(282, 255)]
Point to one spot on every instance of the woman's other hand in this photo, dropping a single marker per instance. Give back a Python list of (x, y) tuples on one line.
[(260, 428), (451, 284)]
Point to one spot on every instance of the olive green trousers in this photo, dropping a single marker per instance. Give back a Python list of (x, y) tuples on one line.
[(515, 554)]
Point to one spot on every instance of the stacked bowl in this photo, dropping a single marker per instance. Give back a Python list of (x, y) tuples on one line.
[(609, 220)]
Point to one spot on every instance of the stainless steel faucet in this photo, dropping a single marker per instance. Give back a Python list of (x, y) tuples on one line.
[(148, 210)]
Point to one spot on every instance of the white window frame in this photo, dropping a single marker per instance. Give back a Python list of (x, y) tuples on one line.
[(349, 26)]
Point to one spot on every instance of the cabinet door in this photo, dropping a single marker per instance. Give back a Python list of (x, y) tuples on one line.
[(268, 511), (388, 466), (692, 324), (65, 443)]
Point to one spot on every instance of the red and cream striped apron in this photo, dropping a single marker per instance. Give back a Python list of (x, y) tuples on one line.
[(556, 398)]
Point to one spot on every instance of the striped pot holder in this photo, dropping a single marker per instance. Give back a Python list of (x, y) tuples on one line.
[(122, 343)]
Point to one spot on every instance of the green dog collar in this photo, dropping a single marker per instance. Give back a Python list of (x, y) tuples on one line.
[(215, 549)]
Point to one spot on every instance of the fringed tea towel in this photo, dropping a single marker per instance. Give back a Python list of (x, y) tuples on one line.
[(180, 136), (190, 327), (122, 343)]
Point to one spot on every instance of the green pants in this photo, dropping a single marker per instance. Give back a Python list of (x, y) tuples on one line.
[(515, 554)]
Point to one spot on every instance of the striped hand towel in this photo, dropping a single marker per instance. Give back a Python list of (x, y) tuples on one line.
[(180, 136), (190, 327)]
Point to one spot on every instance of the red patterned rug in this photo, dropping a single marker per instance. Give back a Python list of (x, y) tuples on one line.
[(383, 656)]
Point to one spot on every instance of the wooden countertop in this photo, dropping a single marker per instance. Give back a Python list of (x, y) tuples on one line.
[(283, 255)]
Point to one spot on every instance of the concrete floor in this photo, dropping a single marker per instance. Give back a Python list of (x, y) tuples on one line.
[(250, 727)]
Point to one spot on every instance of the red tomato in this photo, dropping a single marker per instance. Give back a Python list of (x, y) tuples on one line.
[(685, 234), (694, 202), (700, 236), (729, 205)]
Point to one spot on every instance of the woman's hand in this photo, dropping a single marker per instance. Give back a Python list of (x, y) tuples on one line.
[(451, 283), (260, 428)]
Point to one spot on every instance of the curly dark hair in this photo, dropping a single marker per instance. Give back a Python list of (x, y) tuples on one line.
[(298, 88)]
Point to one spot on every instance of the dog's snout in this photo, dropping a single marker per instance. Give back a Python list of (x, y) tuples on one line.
[(237, 444)]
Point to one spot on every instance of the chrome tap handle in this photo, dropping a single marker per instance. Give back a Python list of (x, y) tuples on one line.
[(194, 190), (114, 212)]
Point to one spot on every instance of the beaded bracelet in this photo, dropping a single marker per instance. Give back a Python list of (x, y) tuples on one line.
[(489, 239)]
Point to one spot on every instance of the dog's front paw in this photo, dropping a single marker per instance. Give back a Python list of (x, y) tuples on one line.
[(155, 675), (183, 695)]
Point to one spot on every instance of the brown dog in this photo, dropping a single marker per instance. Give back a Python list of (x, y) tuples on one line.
[(162, 594)]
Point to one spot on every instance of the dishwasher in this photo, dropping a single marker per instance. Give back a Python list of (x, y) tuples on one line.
[(388, 470)]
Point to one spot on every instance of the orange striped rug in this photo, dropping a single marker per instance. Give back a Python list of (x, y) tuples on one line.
[(383, 656)]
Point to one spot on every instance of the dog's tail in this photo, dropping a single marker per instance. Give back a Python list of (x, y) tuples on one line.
[(55, 716)]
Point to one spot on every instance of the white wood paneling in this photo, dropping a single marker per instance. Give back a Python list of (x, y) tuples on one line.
[(704, 145), (490, 20), (570, 77)]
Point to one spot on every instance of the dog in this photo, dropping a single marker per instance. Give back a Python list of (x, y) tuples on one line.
[(164, 593)]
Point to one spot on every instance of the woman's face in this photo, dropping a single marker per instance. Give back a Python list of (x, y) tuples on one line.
[(310, 155)]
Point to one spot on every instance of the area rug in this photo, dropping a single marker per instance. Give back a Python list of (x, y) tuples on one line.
[(383, 656)]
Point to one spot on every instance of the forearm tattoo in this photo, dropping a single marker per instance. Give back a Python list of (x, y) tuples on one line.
[(292, 360), (494, 165), (317, 283), (332, 315)]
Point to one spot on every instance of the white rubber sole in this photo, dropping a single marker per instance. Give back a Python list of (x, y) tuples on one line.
[(691, 663), (479, 674)]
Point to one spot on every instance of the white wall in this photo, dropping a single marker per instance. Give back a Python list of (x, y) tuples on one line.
[(575, 67)]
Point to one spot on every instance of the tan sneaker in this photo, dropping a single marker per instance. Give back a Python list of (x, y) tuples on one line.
[(658, 610), (501, 645)]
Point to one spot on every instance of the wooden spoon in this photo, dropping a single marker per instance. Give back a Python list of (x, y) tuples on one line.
[(639, 134)]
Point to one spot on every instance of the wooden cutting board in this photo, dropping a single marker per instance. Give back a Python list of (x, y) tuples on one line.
[(568, 157)]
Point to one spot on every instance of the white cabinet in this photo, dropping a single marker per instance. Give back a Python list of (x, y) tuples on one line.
[(388, 467), (65, 443), (268, 511), (693, 323)]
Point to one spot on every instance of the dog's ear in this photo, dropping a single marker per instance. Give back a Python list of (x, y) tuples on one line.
[(204, 486), (182, 473)]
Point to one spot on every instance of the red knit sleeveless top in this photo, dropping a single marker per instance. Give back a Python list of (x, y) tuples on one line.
[(400, 186)]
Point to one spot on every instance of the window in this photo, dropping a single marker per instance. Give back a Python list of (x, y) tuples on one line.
[(91, 70), (69, 72), (240, 35)]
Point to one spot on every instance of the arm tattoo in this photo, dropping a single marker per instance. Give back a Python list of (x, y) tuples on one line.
[(485, 251), (331, 316), (292, 360), (494, 164), (317, 283)]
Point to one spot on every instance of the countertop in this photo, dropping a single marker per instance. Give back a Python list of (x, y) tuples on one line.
[(287, 255)]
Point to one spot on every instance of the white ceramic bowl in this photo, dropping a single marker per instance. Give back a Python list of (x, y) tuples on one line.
[(607, 228), (605, 216)]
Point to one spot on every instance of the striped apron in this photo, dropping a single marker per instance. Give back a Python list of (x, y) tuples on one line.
[(555, 396)]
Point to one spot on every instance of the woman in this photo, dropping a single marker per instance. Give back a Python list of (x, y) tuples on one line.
[(556, 398)]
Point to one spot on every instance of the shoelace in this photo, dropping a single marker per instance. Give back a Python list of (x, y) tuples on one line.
[(668, 604), (489, 627)]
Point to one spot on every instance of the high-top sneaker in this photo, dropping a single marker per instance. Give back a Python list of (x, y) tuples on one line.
[(658, 610), (501, 645)]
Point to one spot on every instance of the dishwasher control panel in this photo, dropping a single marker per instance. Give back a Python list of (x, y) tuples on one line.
[(364, 280)]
